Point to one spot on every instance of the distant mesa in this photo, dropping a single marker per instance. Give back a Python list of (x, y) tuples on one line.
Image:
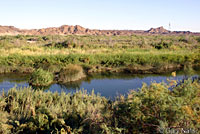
[(9, 30), (159, 30), (79, 30)]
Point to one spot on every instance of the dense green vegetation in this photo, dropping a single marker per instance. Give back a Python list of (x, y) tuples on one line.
[(41, 77), (98, 53), (68, 58), (149, 110)]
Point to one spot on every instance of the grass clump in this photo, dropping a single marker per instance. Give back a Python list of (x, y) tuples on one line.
[(71, 73), (32, 111), (41, 77)]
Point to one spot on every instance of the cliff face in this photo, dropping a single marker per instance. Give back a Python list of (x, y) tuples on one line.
[(78, 30)]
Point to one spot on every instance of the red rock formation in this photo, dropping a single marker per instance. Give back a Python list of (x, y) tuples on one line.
[(9, 30), (78, 30), (159, 30)]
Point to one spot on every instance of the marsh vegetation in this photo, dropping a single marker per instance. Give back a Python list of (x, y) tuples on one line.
[(68, 58), (150, 109), (136, 53), (70, 73)]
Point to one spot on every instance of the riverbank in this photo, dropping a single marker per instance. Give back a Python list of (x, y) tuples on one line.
[(130, 62), (134, 54), (152, 109), (53, 58)]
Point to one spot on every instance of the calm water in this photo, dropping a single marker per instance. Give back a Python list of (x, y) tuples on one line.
[(105, 84)]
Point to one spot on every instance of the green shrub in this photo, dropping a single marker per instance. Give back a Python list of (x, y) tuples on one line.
[(156, 107), (41, 77), (71, 43), (162, 45)]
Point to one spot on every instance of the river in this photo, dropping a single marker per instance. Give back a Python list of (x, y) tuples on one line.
[(108, 85)]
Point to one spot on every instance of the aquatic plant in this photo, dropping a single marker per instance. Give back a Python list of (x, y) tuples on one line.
[(41, 77), (32, 111), (70, 73)]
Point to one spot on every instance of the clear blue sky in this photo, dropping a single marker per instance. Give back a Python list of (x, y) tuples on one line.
[(102, 14)]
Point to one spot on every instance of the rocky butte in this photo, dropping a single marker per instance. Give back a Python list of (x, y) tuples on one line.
[(79, 30)]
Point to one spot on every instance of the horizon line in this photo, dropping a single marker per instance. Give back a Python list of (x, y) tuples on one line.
[(98, 28)]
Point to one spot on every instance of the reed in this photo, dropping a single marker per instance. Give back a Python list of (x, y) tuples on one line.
[(70, 73), (41, 77), (151, 109)]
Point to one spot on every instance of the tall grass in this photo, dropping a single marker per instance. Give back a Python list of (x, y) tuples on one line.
[(36, 111), (46, 62), (91, 51), (152, 109), (120, 59)]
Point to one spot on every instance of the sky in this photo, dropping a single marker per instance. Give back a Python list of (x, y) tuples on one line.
[(183, 15)]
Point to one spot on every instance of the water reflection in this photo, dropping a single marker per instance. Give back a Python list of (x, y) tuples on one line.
[(108, 85)]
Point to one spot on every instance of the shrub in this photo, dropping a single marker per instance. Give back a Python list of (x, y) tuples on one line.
[(184, 40), (162, 45), (198, 39), (41, 77), (156, 107), (71, 73), (71, 43), (46, 38)]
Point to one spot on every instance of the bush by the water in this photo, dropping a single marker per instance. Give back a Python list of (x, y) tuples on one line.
[(41, 77), (156, 108), (70, 73), (149, 110)]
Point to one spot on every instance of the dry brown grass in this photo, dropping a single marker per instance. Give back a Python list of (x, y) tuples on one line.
[(71, 73)]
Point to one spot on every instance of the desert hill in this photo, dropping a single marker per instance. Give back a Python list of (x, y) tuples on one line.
[(78, 30), (159, 30), (9, 30)]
